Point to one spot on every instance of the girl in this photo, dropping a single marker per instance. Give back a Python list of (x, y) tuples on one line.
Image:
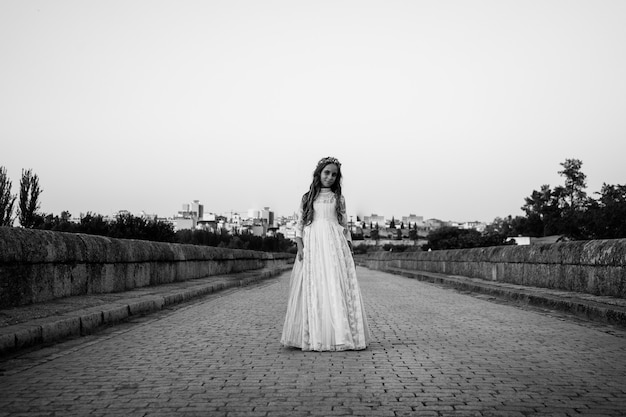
[(325, 309)]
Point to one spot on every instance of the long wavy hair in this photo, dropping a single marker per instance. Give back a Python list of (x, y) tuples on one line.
[(315, 188)]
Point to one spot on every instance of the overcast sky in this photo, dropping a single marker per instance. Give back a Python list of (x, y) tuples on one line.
[(454, 110)]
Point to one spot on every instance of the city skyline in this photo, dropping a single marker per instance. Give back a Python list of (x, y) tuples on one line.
[(246, 214), (452, 110)]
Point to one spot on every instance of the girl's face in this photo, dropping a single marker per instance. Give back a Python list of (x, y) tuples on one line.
[(329, 175)]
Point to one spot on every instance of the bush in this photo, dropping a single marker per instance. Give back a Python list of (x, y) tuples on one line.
[(223, 239), (125, 226)]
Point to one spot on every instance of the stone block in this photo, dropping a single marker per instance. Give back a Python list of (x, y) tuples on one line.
[(60, 328), (7, 342), (40, 279), (141, 274), (174, 298), (115, 313), (90, 320), (79, 277), (145, 305), (27, 335)]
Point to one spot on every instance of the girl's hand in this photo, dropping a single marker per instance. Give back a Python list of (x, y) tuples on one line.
[(300, 246)]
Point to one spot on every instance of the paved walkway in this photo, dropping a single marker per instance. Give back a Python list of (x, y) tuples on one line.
[(435, 351)]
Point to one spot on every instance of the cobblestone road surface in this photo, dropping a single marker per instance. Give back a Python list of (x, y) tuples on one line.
[(434, 352)]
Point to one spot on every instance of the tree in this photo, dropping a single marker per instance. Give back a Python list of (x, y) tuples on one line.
[(508, 227), (542, 211), (574, 191), (6, 199), (60, 223), (94, 224), (449, 237), (29, 199), (561, 210), (573, 201), (392, 224), (446, 237), (607, 215), (375, 234)]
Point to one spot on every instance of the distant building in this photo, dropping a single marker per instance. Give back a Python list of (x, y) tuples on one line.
[(374, 220), (433, 224), (479, 226), (411, 220), (144, 215), (188, 217), (287, 226), (208, 221), (259, 221), (197, 209), (121, 213), (259, 229), (268, 216), (182, 223), (288, 230)]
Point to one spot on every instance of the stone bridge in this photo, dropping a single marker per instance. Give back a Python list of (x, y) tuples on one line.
[(446, 340)]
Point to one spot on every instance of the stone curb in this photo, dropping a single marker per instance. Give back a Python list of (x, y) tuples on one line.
[(90, 320), (593, 310)]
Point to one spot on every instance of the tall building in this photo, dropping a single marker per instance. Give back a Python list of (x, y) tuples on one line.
[(412, 220), (374, 219), (188, 217), (268, 216), (197, 209)]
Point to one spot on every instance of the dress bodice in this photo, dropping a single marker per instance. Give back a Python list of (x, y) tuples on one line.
[(324, 210), (325, 206)]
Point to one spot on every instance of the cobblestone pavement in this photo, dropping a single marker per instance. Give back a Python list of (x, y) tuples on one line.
[(435, 352)]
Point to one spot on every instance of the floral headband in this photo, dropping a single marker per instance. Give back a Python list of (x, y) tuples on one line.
[(329, 160)]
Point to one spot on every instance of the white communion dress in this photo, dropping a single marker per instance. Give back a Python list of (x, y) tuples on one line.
[(325, 309)]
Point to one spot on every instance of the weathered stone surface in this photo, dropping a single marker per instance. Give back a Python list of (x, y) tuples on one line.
[(90, 320), (41, 265), (596, 267), (145, 305), (60, 329), (115, 314), (27, 335), (7, 342)]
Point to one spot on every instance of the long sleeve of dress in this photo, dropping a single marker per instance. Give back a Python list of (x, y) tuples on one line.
[(344, 220), (299, 222)]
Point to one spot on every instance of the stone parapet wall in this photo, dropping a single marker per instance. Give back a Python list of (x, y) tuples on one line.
[(39, 265), (594, 267)]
